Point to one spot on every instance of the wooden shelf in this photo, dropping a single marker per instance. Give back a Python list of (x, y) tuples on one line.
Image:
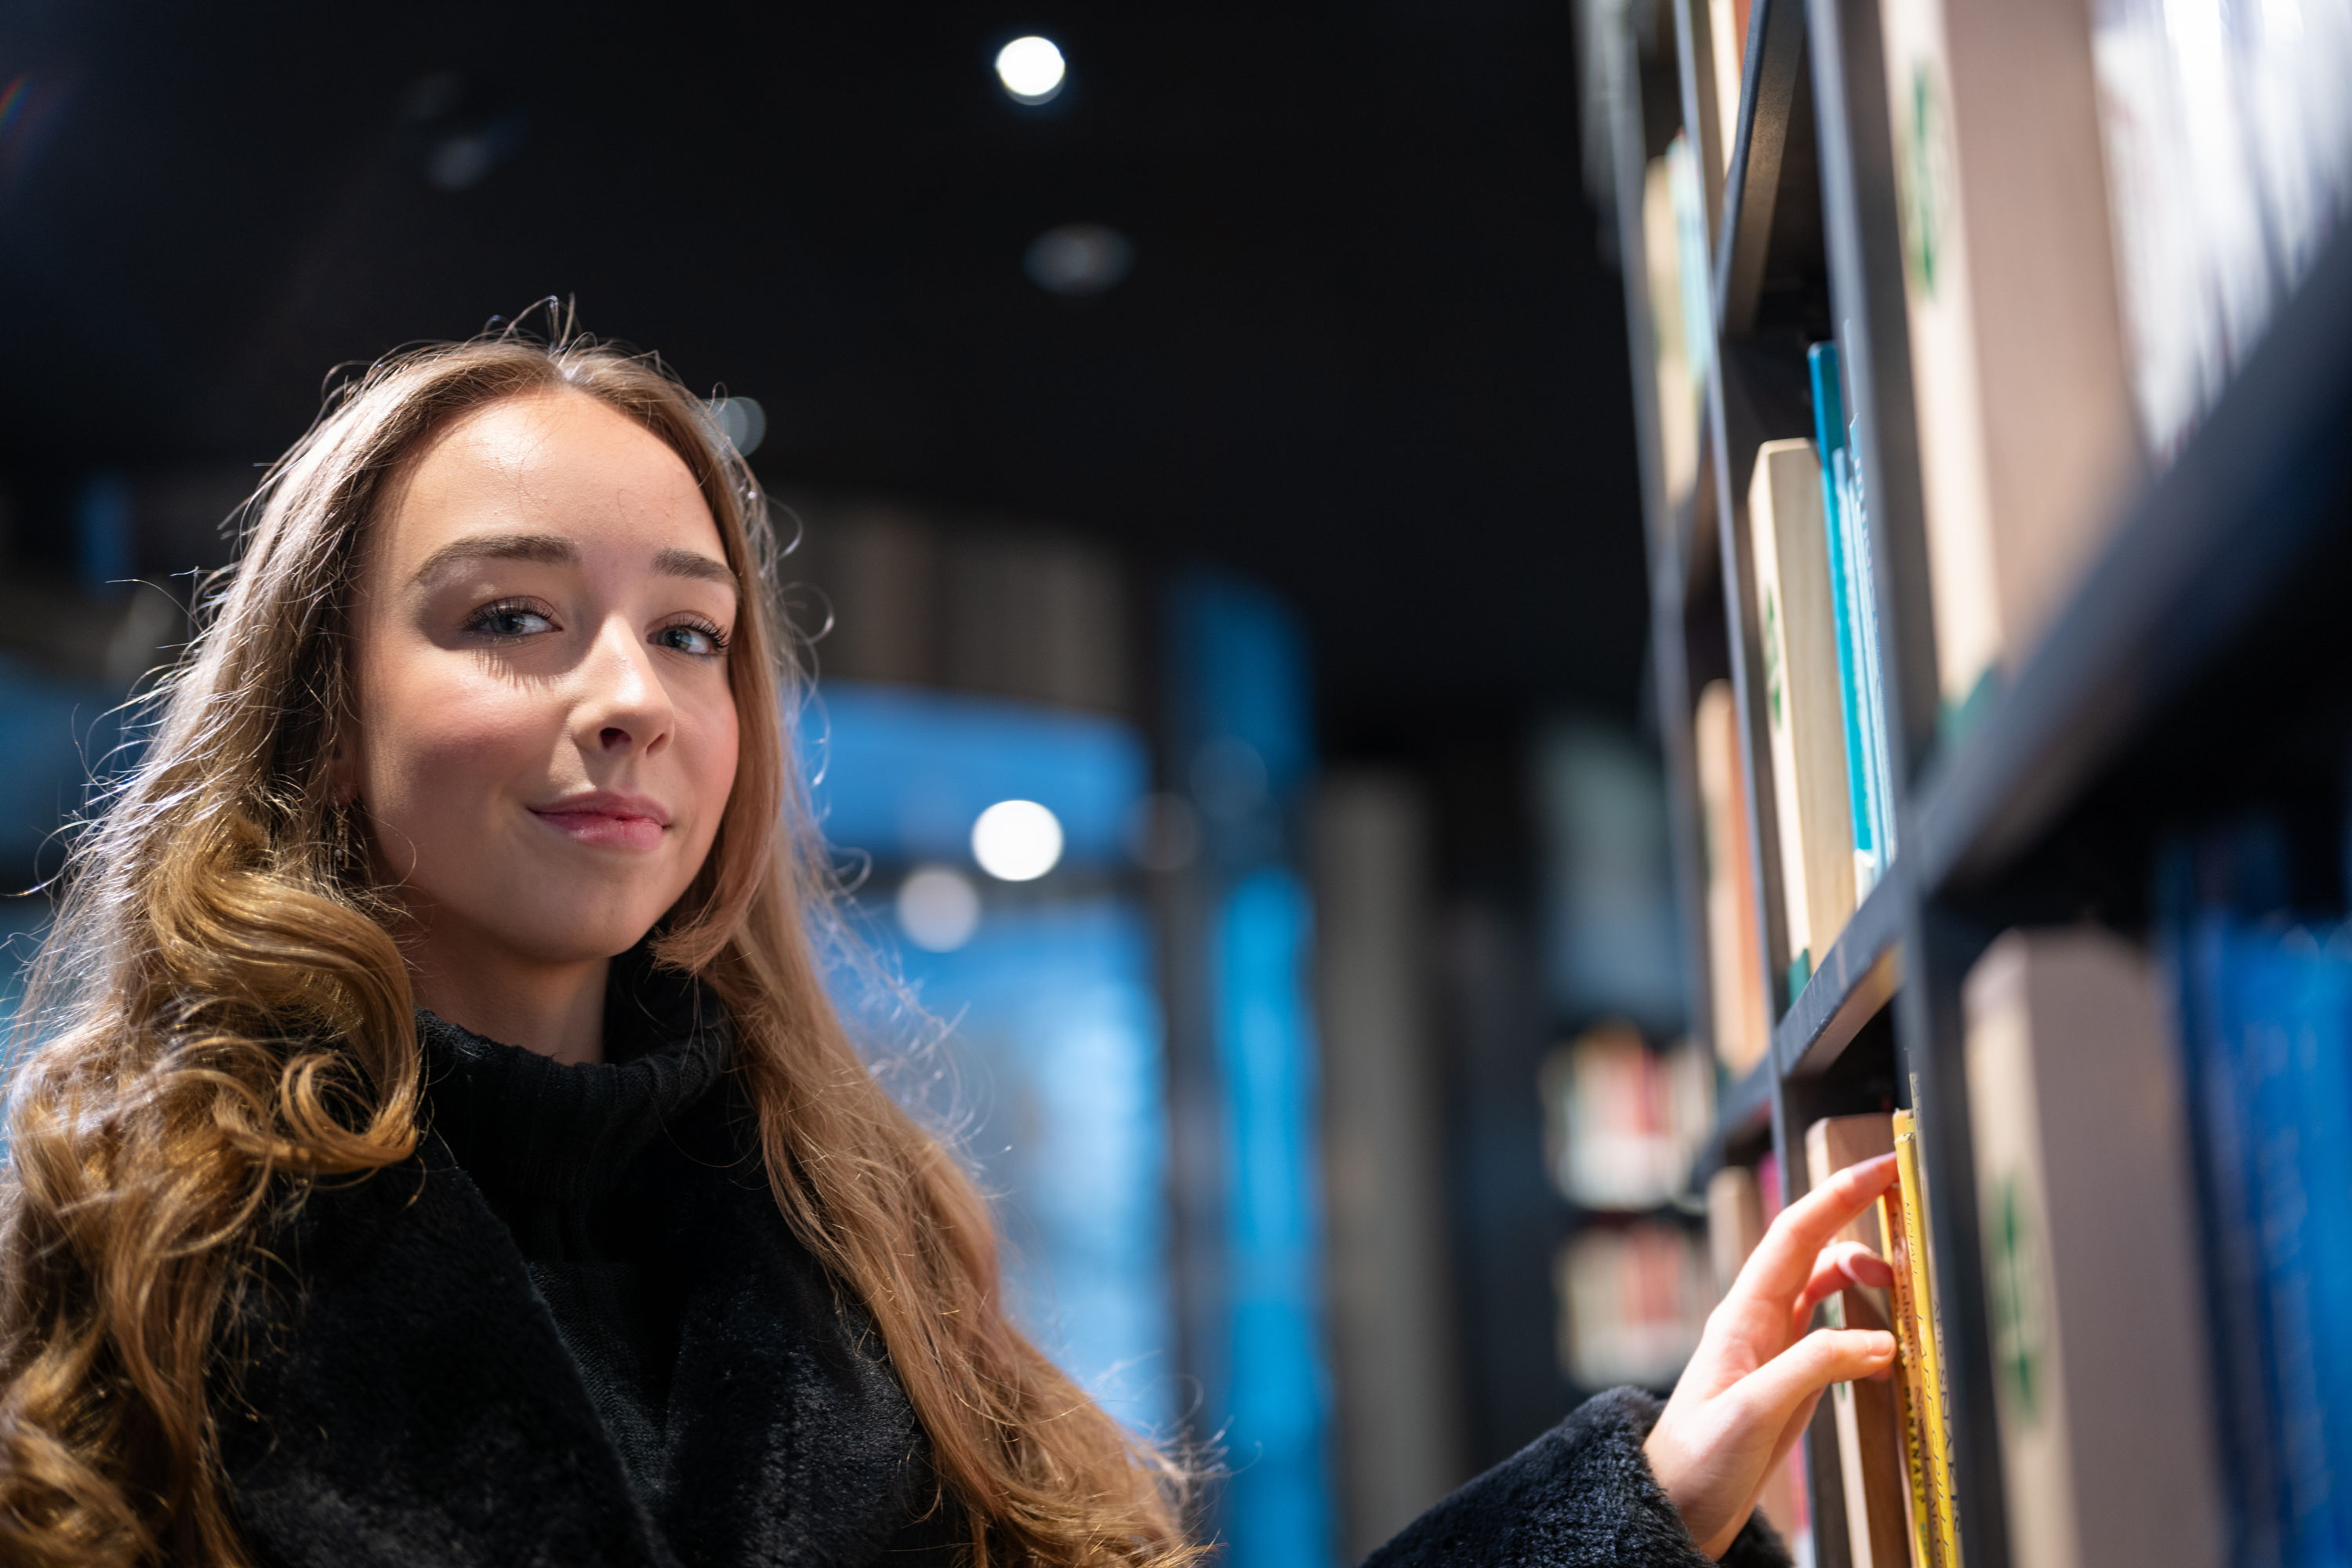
[(1856, 978), (2194, 562)]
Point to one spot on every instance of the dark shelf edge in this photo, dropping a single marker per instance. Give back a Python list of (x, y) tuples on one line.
[(2193, 559), (1857, 977), (1745, 1110), (1767, 84)]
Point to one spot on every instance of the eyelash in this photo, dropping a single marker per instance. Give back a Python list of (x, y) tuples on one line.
[(480, 623), (717, 637)]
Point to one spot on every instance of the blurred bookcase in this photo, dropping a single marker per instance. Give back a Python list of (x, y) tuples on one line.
[(2191, 665)]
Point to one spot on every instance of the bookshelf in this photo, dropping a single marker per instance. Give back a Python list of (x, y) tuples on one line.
[(2198, 666)]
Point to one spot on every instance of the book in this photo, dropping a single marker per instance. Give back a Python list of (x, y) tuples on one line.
[(1853, 594), (1735, 1222), (2027, 436), (1694, 257), (1622, 1122), (1927, 1453), (1735, 949), (1727, 25), (2264, 1011), (1635, 1300), (1869, 1422), (1796, 630), (2229, 161), (1671, 356), (2100, 1375)]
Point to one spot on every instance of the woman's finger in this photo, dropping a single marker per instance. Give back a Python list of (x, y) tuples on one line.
[(1772, 1392), (1841, 1264), (1783, 1261)]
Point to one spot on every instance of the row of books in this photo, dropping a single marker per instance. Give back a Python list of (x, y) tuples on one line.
[(2102, 203), (1894, 1437), (2262, 1001), (1633, 1299), (2137, 1127), (1832, 775), (1625, 1121)]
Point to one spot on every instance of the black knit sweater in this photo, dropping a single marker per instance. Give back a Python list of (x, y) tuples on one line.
[(551, 1145), (574, 1330)]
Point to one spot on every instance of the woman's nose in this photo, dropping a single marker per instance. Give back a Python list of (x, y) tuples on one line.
[(626, 703)]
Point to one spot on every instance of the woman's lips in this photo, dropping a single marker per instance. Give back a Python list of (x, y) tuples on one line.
[(606, 822)]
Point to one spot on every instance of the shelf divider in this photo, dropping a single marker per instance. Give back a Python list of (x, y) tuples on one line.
[(1857, 977), (1752, 188)]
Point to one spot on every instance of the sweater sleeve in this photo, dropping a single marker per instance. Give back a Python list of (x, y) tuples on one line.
[(1581, 1496)]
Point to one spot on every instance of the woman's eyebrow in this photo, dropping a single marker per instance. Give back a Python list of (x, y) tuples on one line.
[(673, 562), (549, 549)]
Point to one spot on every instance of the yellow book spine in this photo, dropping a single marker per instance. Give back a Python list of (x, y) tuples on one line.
[(1931, 1373), (1918, 1513)]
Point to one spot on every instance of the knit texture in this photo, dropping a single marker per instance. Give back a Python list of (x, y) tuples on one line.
[(551, 1144), (1581, 1496), (398, 1390)]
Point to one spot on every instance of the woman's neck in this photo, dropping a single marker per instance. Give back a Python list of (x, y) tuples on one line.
[(556, 1010)]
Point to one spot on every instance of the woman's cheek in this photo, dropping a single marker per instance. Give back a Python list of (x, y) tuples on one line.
[(711, 767), (448, 747)]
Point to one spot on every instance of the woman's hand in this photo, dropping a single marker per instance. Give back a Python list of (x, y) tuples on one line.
[(1752, 1384)]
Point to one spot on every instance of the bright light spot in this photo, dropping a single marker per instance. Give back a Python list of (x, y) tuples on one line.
[(1016, 840), (1079, 258), (938, 909), (1031, 69), (743, 421)]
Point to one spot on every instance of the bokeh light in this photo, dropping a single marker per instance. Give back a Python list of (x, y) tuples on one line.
[(1016, 840), (1031, 69), (938, 909), (1079, 258)]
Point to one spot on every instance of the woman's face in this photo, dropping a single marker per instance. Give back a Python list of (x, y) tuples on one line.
[(546, 732)]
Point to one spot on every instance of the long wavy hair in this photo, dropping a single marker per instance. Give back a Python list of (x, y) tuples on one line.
[(221, 1018)]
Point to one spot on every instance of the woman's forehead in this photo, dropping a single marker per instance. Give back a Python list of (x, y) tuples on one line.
[(557, 465)]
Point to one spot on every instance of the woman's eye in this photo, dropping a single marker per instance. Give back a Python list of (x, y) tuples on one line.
[(703, 642), (509, 621)]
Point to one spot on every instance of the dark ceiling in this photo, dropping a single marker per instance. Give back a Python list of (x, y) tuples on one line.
[(1367, 350)]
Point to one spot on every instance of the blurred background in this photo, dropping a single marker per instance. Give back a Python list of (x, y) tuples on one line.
[(1210, 436)]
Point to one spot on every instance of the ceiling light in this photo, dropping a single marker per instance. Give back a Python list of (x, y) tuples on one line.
[(1031, 69), (1016, 840), (1079, 258)]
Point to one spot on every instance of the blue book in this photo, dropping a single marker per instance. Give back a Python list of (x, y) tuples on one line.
[(1829, 440), (2314, 1046), (2200, 950), (1863, 570), (2275, 991), (2265, 1014)]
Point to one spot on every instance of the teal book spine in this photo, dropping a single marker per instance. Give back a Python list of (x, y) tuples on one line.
[(1862, 571), (1829, 441)]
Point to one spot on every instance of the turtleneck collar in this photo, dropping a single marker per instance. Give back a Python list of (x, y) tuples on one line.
[(538, 1130)]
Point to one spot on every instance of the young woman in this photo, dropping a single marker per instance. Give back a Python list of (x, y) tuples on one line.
[(438, 1146)]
